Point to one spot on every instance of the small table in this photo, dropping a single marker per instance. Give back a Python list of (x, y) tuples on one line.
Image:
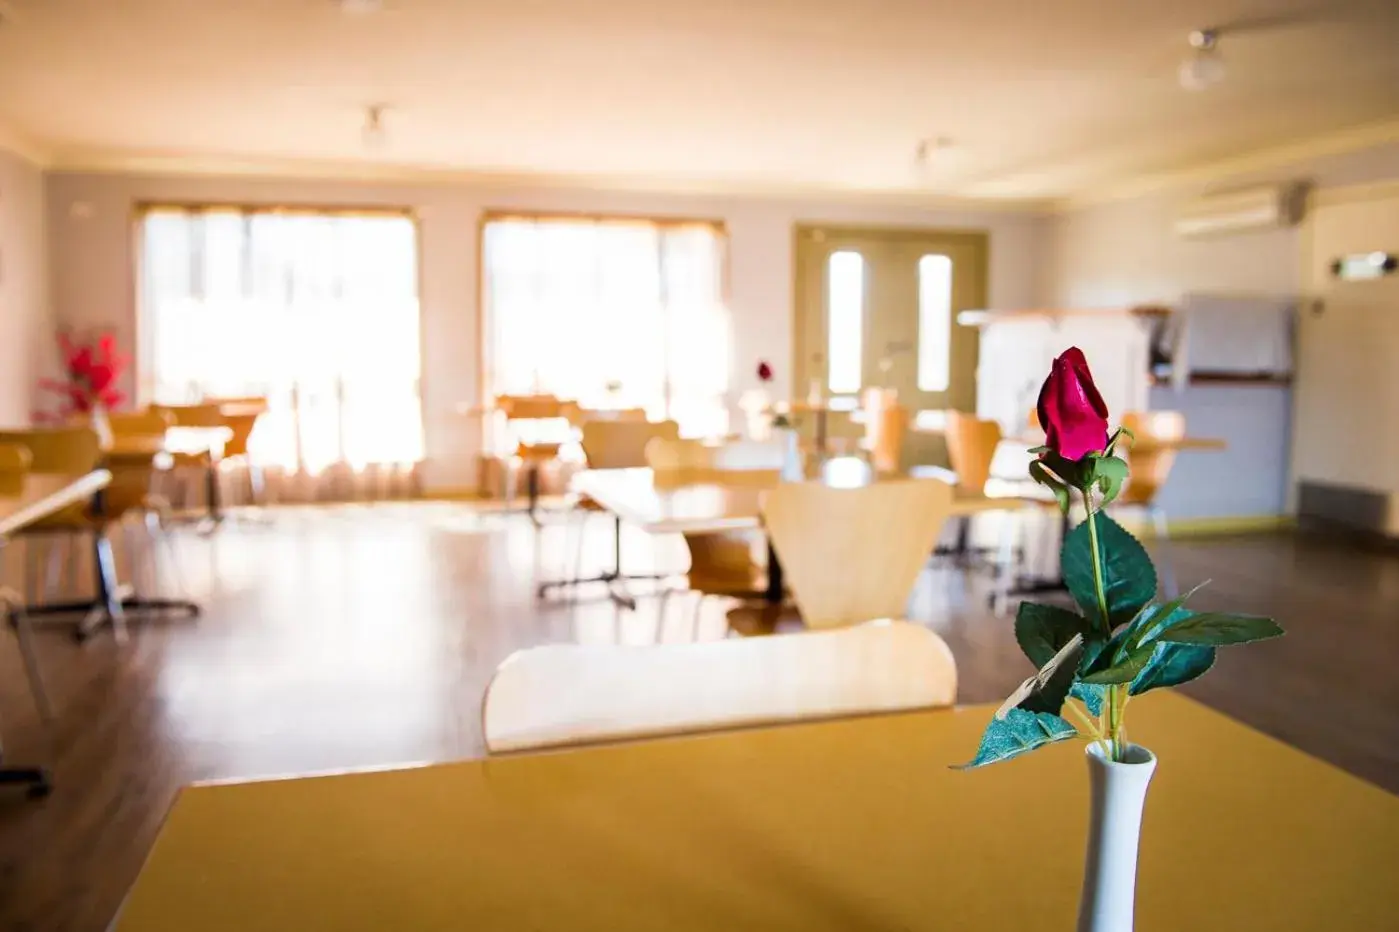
[(634, 496), (848, 824), (40, 497)]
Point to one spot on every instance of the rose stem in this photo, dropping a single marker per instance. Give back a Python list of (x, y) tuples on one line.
[(1114, 707)]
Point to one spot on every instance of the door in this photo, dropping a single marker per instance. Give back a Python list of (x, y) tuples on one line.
[(879, 308)]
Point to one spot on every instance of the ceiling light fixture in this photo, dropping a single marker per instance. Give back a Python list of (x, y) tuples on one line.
[(361, 7), (1204, 67), (373, 134), (932, 152)]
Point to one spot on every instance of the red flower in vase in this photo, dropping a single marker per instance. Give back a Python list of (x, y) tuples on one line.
[(92, 371), (1071, 412), (764, 371)]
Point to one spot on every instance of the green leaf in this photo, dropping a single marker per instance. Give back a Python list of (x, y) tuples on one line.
[(1124, 670), (1041, 630), (1129, 579), (1219, 628), (1040, 474), (1116, 436), (1091, 696), (1153, 619), (1171, 665), (1017, 733), (1109, 473)]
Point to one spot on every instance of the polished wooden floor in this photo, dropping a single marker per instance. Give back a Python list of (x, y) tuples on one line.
[(363, 637)]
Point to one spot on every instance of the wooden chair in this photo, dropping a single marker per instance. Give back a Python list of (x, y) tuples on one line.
[(721, 563), (971, 446), (570, 694), (531, 452), (1149, 460), (74, 452), (240, 415), (14, 466), (852, 555), (153, 502), (886, 425)]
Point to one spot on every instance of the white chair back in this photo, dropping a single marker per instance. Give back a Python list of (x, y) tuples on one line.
[(567, 694)]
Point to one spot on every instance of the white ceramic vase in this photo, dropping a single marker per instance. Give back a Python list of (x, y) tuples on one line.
[(1110, 870), (793, 466), (101, 424)]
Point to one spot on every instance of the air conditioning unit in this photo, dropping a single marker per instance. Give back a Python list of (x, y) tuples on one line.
[(1242, 211)]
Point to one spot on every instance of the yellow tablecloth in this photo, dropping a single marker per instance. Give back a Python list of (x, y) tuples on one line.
[(856, 824)]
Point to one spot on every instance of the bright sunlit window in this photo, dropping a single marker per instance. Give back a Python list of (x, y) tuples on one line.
[(934, 323), (610, 313), (318, 311), (845, 317)]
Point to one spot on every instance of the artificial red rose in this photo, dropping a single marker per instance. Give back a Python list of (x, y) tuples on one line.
[(764, 372), (1071, 411)]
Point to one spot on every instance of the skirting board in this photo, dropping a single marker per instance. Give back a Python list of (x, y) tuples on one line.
[(1214, 526)]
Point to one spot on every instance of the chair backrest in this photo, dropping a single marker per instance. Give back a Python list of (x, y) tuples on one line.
[(886, 424), (66, 451), (971, 446), (530, 407), (14, 464), (578, 415), (852, 554), (745, 462), (564, 694), (205, 414), (1150, 466), (622, 444), (150, 422)]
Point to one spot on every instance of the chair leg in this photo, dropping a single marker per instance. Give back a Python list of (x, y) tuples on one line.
[(1005, 561), (24, 633), (109, 591), (1169, 585)]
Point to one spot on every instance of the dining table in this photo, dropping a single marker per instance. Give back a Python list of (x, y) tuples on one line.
[(35, 497), (730, 500), (851, 823)]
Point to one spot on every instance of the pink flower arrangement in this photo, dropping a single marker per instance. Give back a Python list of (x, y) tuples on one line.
[(92, 369)]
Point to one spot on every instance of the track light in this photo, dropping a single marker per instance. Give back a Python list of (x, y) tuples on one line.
[(1204, 67)]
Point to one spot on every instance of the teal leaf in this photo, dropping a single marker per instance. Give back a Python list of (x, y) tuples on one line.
[(1129, 579), (1109, 473), (1217, 628), (1091, 696), (1016, 734), (1153, 619), (1041, 630), (1124, 670), (1044, 477), (1171, 665)]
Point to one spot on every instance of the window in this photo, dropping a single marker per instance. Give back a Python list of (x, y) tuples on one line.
[(934, 323), (610, 313), (845, 312), (318, 311)]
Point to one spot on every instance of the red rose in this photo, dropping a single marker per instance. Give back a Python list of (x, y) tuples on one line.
[(1071, 411), (764, 372)]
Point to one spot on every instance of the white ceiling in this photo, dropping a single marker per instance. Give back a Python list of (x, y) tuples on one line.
[(1044, 98)]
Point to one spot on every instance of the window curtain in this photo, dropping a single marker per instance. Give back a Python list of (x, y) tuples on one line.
[(316, 311), (612, 314)]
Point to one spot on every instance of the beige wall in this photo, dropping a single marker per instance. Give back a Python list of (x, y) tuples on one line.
[(1347, 398), (1124, 252), (90, 240), (26, 343)]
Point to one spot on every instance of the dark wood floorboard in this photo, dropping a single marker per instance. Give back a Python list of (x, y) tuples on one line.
[(359, 637)]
